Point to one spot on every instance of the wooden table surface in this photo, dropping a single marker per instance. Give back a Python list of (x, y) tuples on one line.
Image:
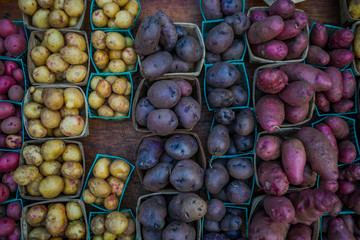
[(120, 138)]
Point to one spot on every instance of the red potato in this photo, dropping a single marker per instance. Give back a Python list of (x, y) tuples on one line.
[(268, 147), (257, 15), (338, 230), (283, 8), (274, 50), (350, 173), (9, 161), (4, 193), (335, 93), (18, 74), (297, 93), (293, 160), (318, 35), (272, 178), (296, 114), (309, 177), (265, 30), (301, 19), (317, 56), (13, 210), (270, 111), (325, 129), (7, 28), (342, 106), (330, 185), (16, 93), (347, 151), (341, 38), (322, 103), (9, 67), (319, 80), (15, 44), (291, 29), (340, 58), (296, 46), (348, 221), (354, 201), (7, 226), (15, 235), (299, 232), (338, 126), (319, 153), (349, 84), (279, 208), (346, 188), (8, 180), (5, 83), (271, 80)]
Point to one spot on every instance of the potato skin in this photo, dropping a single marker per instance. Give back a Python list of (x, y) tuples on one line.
[(235, 51), (317, 56), (274, 50), (187, 207), (162, 121), (187, 176), (270, 112), (279, 208), (181, 146), (297, 93), (238, 191), (293, 160), (340, 58), (149, 152), (179, 65), (219, 140), (283, 8), (219, 38), (339, 127), (265, 30), (143, 109), (164, 94), (212, 9), (156, 65), (188, 49), (222, 75), (335, 93), (297, 45), (152, 213), (291, 29), (216, 178), (168, 35), (271, 80), (188, 111), (157, 177), (239, 22), (147, 36), (178, 230), (240, 168), (296, 114), (272, 178)]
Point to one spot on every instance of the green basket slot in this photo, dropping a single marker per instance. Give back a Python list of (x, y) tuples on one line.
[(22, 55), (202, 13)]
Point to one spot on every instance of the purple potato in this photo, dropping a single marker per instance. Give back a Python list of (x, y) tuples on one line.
[(143, 109), (243, 143), (188, 110), (157, 177), (238, 191), (240, 168), (216, 210), (187, 176), (216, 178), (164, 94), (224, 116), (239, 22), (245, 122), (149, 152), (188, 49), (162, 122), (230, 7), (181, 146), (211, 226)]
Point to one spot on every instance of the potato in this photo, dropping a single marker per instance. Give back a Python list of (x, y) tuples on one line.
[(32, 156), (119, 103), (128, 55), (188, 49), (110, 9), (99, 187), (219, 140), (39, 233), (101, 59), (117, 66), (50, 118), (102, 168), (72, 153), (71, 186), (120, 169), (265, 50), (36, 95), (58, 19), (219, 38), (114, 54), (111, 202), (103, 89), (116, 223), (35, 215), (56, 220), (32, 110), (265, 30), (265, 109), (40, 19), (45, 3), (120, 85), (74, 8), (75, 40), (64, 111), (129, 41), (73, 55), (99, 18), (52, 98), (48, 168), (33, 187), (148, 36), (187, 207), (36, 129), (117, 186), (180, 179), (73, 98), (73, 21), (178, 229), (54, 40), (222, 75), (98, 39), (297, 45), (72, 126), (75, 230), (28, 7), (58, 4), (94, 81), (88, 197), (105, 111), (124, 19), (97, 224), (111, 23), (115, 41), (72, 170), (73, 211), (192, 116), (95, 101), (43, 74), (39, 55), (25, 174), (52, 149), (56, 64), (51, 186), (156, 65), (132, 6)]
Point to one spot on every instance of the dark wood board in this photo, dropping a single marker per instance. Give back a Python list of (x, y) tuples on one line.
[(120, 138)]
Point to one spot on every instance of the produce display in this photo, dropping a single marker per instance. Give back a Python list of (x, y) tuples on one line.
[(110, 97), (114, 225), (13, 40), (45, 14), (55, 112), (213, 10), (106, 182), (177, 160), (58, 57), (343, 226), (113, 53), (10, 215), (329, 47), (47, 220), (9, 161), (12, 80)]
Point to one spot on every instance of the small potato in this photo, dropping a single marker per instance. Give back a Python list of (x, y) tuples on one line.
[(94, 81), (48, 168), (102, 168), (74, 8), (39, 55), (52, 149), (129, 42), (32, 156), (72, 170), (51, 186), (133, 7), (28, 7), (72, 153), (129, 56), (109, 236), (54, 40), (116, 223), (111, 202), (73, 98), (75, 230), (115, 41), (120, 169), (119, 103), (32, 110), (40, 19), (73, 55), (115, 54), (95, 101), (124, 19), (110, 9), (72, 126), (71, 186), (45, 3), (117, 185), (39, 233), (120, 85), (99, 187), (57, 132), (73, 21), (25, 174), (111, 79), (88, 197), (97, 224), (36, 95), (76, 73), (101, 59), (99, 18), (111, 23), (105, 111), (36, 129), (121, 3), (36, 215), (98, 40), (33, 187), (64, 111), (128, 89), (75, 40), (43, 74), (52, 98), (58, 19), (50, 118), (117, 66), (120, 115), (103, 89)]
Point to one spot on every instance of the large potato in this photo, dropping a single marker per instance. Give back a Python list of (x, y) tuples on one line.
[(155, 65), (73, 55), (52, 149), (99, 187), (103, 88), (101, 59), (52, 98), (33, 187), (75, 40), (72, 153), (56, 64), (98, 40), (25, 174), (115, 41), (119, 103), (32, 155), (120, 169), (43, 74), (187, 207), (73, 98), (73, 211), (102, 168), (35, 215), (117, 66), (133, 7), (36, 129), (48, 168), (110, 9), (72, 126), (40, 19), (39, 55), (95, 101), (56, 220), (148, 36), (116, 223), (54, 40), (72, 170), (58, 19), (28, 7), (71, 186), (51, 186), (32, 110), (124, 19), (74, 8), (50, 118)]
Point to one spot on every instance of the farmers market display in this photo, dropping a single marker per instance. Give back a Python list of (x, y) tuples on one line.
[(278, 161)]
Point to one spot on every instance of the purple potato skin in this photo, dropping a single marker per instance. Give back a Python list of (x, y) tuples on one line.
[(148, 36), (188, 49), (178, 230), (245, 122), (232, 149), (211, 57), (187, 176), (149, 234), (238, 191), (219, 140), (149, 152), (230, 222), (240, 168), (243, 143), (317, 56), (301, 19), (225, 116), (143, 109), (181, 146), (156, 65), (235, 51), (216, 178), (166, 158), (168, 35), (222, 75), (296, 114), (220, 97), (230, 7), (164, 94), (178, 65), (185, 87), (181, 31), (211, 226), (283, 8), (258, 15), (219, 38), (215, 236), (211, 9), (188, 111), (216, 210), (297, 45), (157, 177), (273, 50), (162, 122), (239, 22), (152, 212), (240, 95), (318, 35)]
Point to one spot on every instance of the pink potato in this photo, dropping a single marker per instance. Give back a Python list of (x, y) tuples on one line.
[(15, 235), (347, 151), (13, 210), (9, 161), (337, 230), (293, 160), (350, 173), (7, 28), (7, 226), (268, 147), (296, 114), (318, 35), (257, 15), (11, 125), (185, 87), (265, 30), (279, 208), (16, 93), (346, 187), (283, 8), (342, 106), (6, 110), (270, 111), (272, 178), (8, 180), (297, 45), (322, 103), (273, 50), (18, 74), (15, 44), (317, 56), (349, 84), (338, 126), (9, 67), (341, 38), (335, 93), (291, 29), (299, 232), (271, 80), (5, 83), (318, 79), (325, 129), (309, 177), (340, 58), (297, 93), (2, 47), (330, 185), (301, 19), (4, 194)]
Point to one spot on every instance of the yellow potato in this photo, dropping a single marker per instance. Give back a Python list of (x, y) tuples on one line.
[(73, 98), (131, 227), (32, 155), (126, 237), (56, 64), (99, 18), (36, 95), (98, 40), (57, 132), (133, 7), (109, 236), (88, 197), (74, 8), (120, 85), (36, 129), (75, 230), (54, 40), (72, 153), (25, 174), (95, 101), (58, 19), (76, 73), (33, 187), (121, 3), (115, 41), (58, 4), (72, 170), (128, 89), (72, 126), (43, 74), (99, 187), (64, 111), (48, 168), (116, 223), (101, 59), (73, 211), (114, 54), (111, 202), (73, 55), (129, 42), (51, 186), (52, 98), (39, 233), (73, 21), (32, 110), (120, 169), (119, 103), (52, 149), (75, 40), (39, 54), (50, 118), (28, 7), (117, 66), (105, 111), (103, 89), (101, 3), (71, 186), (102, 168), (130, 67), (121, 116), (129, 56), (111, 79), (40, 19), (45, 3), (111, 23), (56, 220), (110, 9), (124, 19), (94, 81)]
